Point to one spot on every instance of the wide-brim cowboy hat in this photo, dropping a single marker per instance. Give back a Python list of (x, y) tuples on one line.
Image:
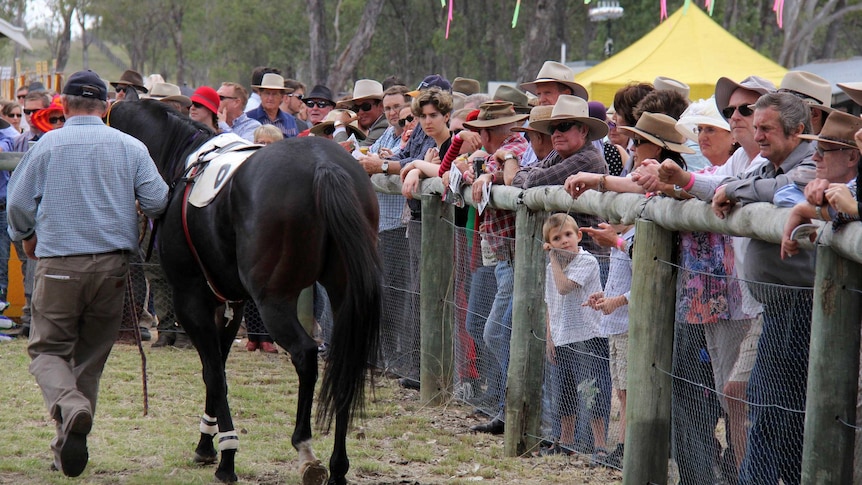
[(854, 90), (559, 73), (495, 113), (840, 129), (538, 113), (169, 92), (659, 129), (466, 86), (663, 83), (725, 87), (813, 89), (132, 78), (573, 108), (363, 89), (334, 119), (271, 81), (519, 100)]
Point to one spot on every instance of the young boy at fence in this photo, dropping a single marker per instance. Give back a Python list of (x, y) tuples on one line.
[(614, 305), (571, 276)]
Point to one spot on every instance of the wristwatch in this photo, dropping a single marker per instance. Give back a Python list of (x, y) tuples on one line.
[(384, 167), (510, 156)]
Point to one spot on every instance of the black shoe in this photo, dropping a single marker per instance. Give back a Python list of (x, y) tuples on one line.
[(495, 426), (408, 383), (145, 334), (73, 454)]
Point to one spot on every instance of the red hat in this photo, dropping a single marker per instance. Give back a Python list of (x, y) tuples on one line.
[(208, 97), (40, 120)]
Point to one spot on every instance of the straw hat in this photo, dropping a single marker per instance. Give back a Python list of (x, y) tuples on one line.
[(839, 129), (668, 84), (701, 112), (271, 81), (169, 92), (538, 113), (334, 119), (659, 129), (364, 89), (573, 108), (854, 90), (558, 73), (495, 113), (813, 89), (725, 87)]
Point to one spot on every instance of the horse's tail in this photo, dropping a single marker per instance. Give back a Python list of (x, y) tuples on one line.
[(354, 339)]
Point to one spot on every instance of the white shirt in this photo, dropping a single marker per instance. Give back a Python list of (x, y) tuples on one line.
[(570, 321)]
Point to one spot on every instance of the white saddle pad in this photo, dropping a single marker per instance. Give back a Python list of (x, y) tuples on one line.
[(224, 154)]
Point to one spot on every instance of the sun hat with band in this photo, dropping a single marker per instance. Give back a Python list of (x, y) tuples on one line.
[(131, 78), (207, 97), (518, 99), (41, 119), (725, 87), (169, 92), (334, 120), (700, 112), (573, 109), (363, 89), (815, 91), (466, 86), (538, 113), (853, 90), (839, 129), (271, 81), (659, 129), (558, 73), (493, 114)]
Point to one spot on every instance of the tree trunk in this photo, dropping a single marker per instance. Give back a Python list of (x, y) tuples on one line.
[(536, 40), (65, 40), (318, 42), (176, 23), (343, 68)]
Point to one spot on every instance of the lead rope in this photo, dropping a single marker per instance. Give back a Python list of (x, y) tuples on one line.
[(137, 333)]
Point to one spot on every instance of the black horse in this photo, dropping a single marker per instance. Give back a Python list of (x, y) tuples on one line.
[(296, 212)]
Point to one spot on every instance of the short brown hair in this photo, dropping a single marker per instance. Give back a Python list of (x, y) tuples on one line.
[(560, 219), (441, 100)]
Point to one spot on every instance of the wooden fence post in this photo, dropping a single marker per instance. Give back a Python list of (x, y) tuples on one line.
[(651, 325), (436, 269), (833, 371), (527, 345)]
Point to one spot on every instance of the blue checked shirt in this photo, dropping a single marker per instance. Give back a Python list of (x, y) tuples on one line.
[(76, 188)]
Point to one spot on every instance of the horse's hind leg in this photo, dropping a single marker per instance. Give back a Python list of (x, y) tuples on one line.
[(283, 325)]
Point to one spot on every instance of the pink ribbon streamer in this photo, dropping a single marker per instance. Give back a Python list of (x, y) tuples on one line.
[(449, 18), (663, 14), (778, 8)]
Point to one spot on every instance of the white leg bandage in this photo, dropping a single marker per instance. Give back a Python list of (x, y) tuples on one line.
[(209, 425), (228, 441)]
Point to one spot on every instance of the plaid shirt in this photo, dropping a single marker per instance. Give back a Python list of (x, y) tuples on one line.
[(554, 170), (498, 226)]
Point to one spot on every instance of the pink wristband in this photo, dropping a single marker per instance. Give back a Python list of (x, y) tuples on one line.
[(690, 183), (621, 243)]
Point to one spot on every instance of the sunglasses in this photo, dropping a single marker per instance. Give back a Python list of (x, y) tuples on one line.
[(31, 111), (562, 127), (820, 150), (639, 141), (15, 115), (197, 105), (294, 95), (744, 110), (403, 121), (366, 106), (222, 98), (319, 104), (56, 119), (22, 96)]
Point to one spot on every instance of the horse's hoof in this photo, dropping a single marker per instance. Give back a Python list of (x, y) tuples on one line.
[(226, 477), (205, 459), (314, 473)]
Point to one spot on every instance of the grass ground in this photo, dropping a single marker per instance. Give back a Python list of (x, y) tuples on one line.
[(398, 442)]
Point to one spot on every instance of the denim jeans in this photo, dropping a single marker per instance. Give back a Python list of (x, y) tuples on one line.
[(498, 328)]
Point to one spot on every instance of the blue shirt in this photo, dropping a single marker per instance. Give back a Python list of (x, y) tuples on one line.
[(388, 140), (243, 126), (77, 188), (284, 122)]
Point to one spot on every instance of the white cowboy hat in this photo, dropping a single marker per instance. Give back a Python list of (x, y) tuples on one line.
[(363, 89), (271, 81), (573, 108)]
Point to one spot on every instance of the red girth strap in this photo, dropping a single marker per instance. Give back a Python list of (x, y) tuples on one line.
[(188, 235)]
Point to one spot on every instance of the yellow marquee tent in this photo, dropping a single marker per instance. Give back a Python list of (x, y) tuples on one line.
[(689, 47)]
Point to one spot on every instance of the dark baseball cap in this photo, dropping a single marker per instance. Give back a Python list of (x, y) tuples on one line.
[(434, 80), (86, 84)]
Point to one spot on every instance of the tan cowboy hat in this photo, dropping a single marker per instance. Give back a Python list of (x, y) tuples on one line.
[(573, 108), (659, 129), (495, 113), (132, 78), (558, 73), (466, 86), (334, 119), (518, 99), (538, 113), (668, 84), (854, 90), (271, 81), (725, 87), (839, 129), (363, 89), (813, 89), (169, 92)]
